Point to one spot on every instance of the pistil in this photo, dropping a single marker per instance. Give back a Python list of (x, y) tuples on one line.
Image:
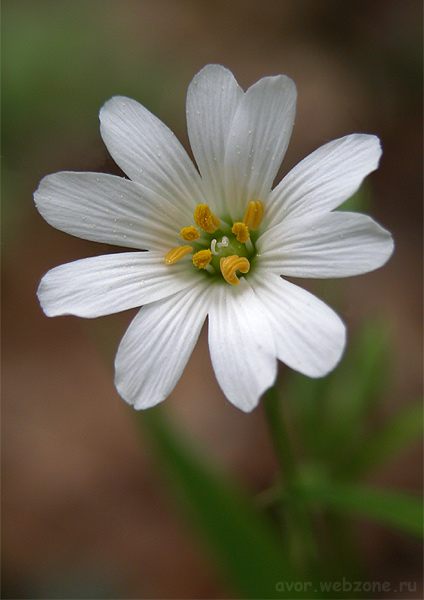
[(230, 253)]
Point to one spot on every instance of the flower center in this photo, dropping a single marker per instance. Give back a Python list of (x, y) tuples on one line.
[(218, 248)]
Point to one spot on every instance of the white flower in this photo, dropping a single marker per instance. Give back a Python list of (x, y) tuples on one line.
[(217, 242)]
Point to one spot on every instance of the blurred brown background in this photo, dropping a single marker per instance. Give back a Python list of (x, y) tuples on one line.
[(85, 514)]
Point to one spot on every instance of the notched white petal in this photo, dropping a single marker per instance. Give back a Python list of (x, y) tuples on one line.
[(241, 345), (325, 179), (109, 209), (212, 100), (148, 152), (258, 140), (337, 244), (309, 336), (102, 285), (157, 345)]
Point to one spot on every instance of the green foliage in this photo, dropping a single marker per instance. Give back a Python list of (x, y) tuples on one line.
[(243, 541), (337, 446), (61, 62), (58, 70), (391, 508), (335, 414), (360, 201), (334, 417), (393, 437)]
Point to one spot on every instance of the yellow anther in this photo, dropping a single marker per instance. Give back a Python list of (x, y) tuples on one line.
[(204, 218), (202, 258), (230, 264), (189, 234), (253, 215), (177, 253), (241, 231)]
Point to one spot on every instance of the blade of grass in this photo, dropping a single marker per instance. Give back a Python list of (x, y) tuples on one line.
[(354, 391), (400, 510), (394, 437)]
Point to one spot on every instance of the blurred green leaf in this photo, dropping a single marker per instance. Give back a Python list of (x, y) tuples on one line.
[(395, 509), (332, 413), (395, 436), (245, 544), (61, 62), (356, 387), (360, 201)]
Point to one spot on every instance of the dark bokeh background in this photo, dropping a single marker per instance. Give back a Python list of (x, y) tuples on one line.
[(84, 511)]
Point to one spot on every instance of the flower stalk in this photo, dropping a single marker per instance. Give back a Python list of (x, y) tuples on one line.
[(280, 436), (295, 521)]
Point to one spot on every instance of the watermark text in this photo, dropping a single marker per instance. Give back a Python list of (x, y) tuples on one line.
[(345, 585)]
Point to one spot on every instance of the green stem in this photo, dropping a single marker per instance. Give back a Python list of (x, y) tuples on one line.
[(297, 524), (280, 437)]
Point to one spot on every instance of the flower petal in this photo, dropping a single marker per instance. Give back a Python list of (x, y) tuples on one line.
[(258, 140), (212, 100), (157, 345), (148, 152), (109, 209), (309, 336), (102, 285), (325, 179), (241, 345), (338, 244)]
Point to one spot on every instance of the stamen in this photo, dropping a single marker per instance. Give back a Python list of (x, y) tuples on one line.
[(202, 258), (205, 219), (241, 231), (190, 234), (230, 264), (253, 215), (177, 253)]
